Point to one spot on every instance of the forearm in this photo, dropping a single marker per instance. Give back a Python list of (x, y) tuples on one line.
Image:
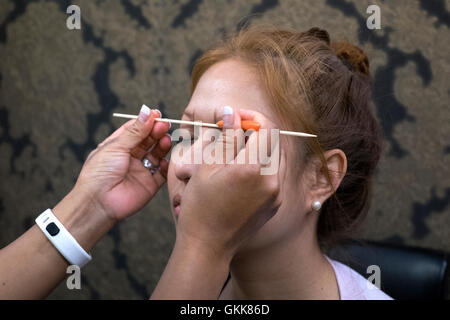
[(31, 267), (193, 272)]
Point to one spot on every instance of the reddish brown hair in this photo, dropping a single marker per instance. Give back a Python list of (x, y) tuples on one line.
[(321, 87)]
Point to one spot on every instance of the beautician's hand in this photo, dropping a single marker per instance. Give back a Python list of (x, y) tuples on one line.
[(112, 185), (222, 206), (113, 174)]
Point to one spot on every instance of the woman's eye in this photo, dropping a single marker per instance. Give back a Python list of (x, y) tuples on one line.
[(190, 140)]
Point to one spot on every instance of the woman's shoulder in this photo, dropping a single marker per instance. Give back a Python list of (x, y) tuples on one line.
[(353, 286)]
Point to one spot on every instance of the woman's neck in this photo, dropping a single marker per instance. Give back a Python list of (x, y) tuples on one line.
[(292, 268)]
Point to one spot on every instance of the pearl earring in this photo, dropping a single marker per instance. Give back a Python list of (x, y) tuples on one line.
[(316, 205)]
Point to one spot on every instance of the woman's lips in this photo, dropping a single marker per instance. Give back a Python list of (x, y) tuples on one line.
[(176, 202)]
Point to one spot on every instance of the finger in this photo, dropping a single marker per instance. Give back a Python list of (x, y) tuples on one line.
[(270, 164), (160, 175), (160, 128), (164, 168), (139, 130), (143, 147), (116, 133), (232, 134), (158, 178), (247, 114), (267, 131), (249, 154), (163, 147), (151, 182), (153, 160), (161, 165), (256, 150), (151, 142)]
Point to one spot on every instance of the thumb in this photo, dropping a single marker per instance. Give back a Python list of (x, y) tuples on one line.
[(232, 135), (133, 135)]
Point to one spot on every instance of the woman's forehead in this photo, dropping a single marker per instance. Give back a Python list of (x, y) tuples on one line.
[(230, 82)]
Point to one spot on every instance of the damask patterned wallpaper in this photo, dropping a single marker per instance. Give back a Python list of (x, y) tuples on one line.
[(59, 87)]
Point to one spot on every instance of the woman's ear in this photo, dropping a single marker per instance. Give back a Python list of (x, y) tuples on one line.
[(320, 188)]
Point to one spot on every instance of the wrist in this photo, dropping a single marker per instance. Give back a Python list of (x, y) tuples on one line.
[(212, 252), (194, 271), (83, 217)]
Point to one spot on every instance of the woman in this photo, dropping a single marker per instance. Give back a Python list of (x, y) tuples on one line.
[(115, 182), (302, 82), (267, 231)]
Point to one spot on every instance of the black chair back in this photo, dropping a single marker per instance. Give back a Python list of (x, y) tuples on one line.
[(405, 273)]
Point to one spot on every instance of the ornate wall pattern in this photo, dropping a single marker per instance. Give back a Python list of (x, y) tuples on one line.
[(59, 87)]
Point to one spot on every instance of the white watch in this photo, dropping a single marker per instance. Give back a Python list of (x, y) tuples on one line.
[(62, 239)]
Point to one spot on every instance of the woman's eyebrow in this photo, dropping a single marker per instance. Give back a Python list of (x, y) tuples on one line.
[(190, 117)]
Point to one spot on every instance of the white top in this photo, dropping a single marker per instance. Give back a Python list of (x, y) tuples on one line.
[(353, 286)]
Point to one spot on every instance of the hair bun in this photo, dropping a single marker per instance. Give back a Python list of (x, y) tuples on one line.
[(352, 56), (319, 33)]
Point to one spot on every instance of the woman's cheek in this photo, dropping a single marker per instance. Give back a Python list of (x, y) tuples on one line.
[(171, 179)]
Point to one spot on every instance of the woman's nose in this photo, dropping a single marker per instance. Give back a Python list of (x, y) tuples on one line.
[(184, 169)]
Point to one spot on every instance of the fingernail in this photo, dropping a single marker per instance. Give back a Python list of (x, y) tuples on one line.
[(144, 113), (227, 116), (160, 114)]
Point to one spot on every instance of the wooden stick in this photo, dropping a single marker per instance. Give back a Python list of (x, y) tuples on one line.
[(194, 123), (211, 125)]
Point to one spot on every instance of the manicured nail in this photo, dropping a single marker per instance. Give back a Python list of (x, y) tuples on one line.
[(160, 114), (228, 116), (144, 113)]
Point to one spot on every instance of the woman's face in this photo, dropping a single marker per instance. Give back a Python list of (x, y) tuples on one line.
[(234, 83)]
